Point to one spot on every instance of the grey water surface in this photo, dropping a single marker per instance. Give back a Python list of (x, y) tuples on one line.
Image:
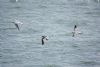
[(55, 19)]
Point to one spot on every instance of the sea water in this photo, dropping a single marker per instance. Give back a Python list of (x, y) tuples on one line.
[(55, 19)]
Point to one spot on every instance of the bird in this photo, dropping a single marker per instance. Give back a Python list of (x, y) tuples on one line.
[(75, 27), (43, 37), (76, 31), (16, 23)]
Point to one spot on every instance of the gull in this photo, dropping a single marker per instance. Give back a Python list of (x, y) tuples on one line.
[(43, 37), (16, 23), (75, 31)]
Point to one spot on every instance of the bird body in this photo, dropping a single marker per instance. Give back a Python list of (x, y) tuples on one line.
[(17, 26), (74, 32), (43, 37)]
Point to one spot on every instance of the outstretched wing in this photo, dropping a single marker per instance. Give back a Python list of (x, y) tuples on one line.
[(17, 26)]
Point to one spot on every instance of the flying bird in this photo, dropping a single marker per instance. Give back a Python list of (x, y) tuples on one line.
[(75, 27), (16, 23), (76, 31), (43, 37)]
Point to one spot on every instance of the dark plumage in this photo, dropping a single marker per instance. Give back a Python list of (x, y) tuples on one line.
[(75, 27), (74, 30), (16, 23), (43, 37), (17, 26)]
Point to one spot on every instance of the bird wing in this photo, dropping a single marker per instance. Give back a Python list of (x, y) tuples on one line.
[(17, 26)]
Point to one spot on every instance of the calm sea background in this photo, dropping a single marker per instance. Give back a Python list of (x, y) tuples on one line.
[(55, 19)]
